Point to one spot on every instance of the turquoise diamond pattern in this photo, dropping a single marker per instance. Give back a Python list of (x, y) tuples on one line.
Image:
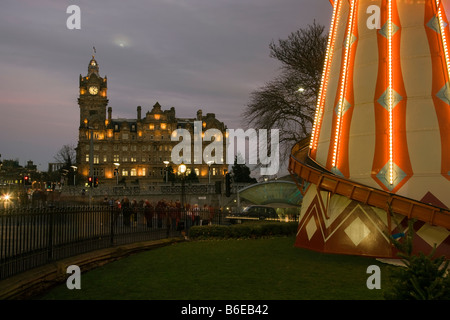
[(433, 24), (444, 93), (352, 39), (384, 31), (345, 107), (384, 99), (383, 176)]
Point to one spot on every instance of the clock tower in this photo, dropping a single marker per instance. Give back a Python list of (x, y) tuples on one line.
[(92, 101), (92, 98)]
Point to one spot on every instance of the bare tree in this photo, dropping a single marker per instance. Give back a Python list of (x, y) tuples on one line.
[(66, 155), (288, 102)]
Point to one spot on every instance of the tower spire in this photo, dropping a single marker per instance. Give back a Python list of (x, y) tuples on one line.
[(93, 65)]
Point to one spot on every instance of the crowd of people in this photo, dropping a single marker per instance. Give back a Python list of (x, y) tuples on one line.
[(163, 213)]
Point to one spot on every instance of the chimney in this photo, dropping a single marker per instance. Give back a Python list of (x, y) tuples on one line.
[(139, 113)]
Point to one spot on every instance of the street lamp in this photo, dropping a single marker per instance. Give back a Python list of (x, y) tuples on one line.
[(182, 170), (116, 172), (167, 172), (74, 173), (209, 170)]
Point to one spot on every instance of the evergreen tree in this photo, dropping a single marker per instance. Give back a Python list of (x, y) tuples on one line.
[(171, 177), (192, 177), (241, 173), (424, 277)]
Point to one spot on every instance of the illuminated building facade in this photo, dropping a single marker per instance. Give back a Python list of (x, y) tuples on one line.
[(133, 150)]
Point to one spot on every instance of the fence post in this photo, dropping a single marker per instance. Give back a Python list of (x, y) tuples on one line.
[(112, 218), (50, 233)]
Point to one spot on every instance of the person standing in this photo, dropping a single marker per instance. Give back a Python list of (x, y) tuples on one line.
[(126, 211), (148, 213)]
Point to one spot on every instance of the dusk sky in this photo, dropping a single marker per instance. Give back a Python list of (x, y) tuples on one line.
[(187, 54)]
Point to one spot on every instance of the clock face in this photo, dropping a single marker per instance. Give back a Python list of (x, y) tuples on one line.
[(93, 90)]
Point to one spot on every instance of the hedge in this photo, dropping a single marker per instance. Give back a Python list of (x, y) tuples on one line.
[(245, 230)]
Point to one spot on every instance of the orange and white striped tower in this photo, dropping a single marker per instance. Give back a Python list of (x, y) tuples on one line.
[(382, 123)]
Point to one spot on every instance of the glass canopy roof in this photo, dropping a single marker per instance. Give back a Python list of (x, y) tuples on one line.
[(281, 194)]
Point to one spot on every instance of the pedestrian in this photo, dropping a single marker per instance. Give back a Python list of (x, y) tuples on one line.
[(179, 222), (188, 216), (148, 213), (196, 215), (126, 211), (211, 214), (134, 211), (173, 215), (161, 212)]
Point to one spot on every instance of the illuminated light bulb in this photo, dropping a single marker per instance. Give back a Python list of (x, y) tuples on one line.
[(390, 94), (343, 83), (443, 35), (325, 73)]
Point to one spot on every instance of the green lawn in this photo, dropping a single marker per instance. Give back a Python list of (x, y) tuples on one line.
[(263, 269)]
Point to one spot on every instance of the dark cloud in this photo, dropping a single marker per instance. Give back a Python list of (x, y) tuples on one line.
[(189, 54)]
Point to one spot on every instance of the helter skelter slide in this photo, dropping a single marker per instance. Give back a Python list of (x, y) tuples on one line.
[(381, 134)]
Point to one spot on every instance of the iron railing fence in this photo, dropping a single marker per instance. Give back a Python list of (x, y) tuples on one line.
[(32, 237)]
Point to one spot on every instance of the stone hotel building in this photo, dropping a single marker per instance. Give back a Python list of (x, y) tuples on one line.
[(136, 148)]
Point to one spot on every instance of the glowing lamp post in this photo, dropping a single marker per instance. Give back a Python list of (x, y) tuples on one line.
[(167, 172), (116, 172), (182, 170)]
